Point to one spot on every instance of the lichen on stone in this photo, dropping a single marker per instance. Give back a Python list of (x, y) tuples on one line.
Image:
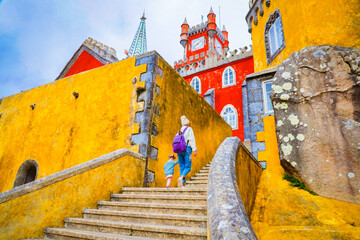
[(284, 97), (286, 149), (300, 137), (294, 120), (287, 86)]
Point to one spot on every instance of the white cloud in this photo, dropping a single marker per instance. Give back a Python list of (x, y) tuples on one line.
[(49, 32)]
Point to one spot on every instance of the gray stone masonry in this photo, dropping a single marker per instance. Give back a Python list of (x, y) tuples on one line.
[(255, 113), (145, 117), (227, 217)]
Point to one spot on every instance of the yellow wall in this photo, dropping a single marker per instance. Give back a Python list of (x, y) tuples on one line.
[(63, 131), (178, 98), (248, 173), (27, 216), (308, 23), (271, 153)]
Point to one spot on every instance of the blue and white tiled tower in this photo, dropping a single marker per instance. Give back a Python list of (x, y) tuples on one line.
[(138, 45)]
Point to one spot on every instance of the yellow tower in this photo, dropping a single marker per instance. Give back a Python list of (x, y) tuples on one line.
[(279, 28)]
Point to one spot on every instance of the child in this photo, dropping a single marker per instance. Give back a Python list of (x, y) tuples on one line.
[(169, 169)]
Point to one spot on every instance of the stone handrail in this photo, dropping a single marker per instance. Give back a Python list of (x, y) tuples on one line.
[(227, 216), (67, 173)]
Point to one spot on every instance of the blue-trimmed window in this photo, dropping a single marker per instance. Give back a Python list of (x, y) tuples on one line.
[(196, 84), (228, 78), (229, 114), (268, 107)]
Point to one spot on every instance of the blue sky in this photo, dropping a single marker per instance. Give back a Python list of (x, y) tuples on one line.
[(38, 37)]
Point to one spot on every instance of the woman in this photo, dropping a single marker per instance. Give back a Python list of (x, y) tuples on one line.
[(184, 158)]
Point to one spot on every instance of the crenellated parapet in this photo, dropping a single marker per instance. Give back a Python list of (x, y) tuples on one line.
[(104, 51), (210, 62), (256, 6)]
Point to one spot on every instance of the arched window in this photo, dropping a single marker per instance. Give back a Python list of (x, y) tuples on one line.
[(228, 78), (196, 84), (27, 172), (229, 114)]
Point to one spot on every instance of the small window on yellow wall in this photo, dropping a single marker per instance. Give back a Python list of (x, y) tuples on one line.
[(274, 36)]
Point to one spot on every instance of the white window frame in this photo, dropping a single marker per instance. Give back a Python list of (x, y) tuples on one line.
[(266, 110), (223, 77), (236, 116), (192, 84)]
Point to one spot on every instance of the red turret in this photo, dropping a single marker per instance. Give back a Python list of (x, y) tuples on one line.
[(226, 39), (184, 33), (211, 26)]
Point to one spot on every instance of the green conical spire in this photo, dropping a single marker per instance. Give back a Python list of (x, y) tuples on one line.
[(138, 45)]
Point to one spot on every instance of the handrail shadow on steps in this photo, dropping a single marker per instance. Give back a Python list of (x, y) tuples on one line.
[(233, 179)]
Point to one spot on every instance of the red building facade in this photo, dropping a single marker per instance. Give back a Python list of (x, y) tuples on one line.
[(214, 72), (91, 54)]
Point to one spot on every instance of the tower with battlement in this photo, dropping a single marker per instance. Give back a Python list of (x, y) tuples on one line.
[(214, 71)]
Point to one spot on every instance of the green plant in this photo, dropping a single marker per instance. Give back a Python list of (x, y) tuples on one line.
[(132, 143), (352, 224), (296, 183)]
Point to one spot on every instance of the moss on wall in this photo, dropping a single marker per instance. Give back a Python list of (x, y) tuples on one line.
[(308, 23), (62, 131), (27, 216), (178, 98)]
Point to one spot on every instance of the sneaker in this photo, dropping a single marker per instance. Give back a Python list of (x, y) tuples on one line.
[(180, 182), (184, 187)]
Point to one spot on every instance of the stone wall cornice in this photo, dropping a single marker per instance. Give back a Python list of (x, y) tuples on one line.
[(255, 7)]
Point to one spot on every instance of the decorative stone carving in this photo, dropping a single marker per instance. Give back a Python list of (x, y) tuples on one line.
[(316, 99), (256, 6)]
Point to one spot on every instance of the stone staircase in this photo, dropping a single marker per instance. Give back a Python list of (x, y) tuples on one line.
[(144, 213)]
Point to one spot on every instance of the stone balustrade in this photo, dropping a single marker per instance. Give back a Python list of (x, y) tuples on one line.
[(233, 179)]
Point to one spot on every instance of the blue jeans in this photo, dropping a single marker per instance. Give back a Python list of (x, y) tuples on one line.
[(185, 163)]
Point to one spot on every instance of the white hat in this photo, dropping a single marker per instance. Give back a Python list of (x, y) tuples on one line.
[(184, 121)]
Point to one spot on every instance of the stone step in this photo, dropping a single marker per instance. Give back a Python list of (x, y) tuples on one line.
[(199, 178), (198, 181), (149, 218), (137, 229), (166, 191), (65, 233), (204, 171), (201, 175), (150, 198), (191, 184), (206, 168), (199, 209)]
